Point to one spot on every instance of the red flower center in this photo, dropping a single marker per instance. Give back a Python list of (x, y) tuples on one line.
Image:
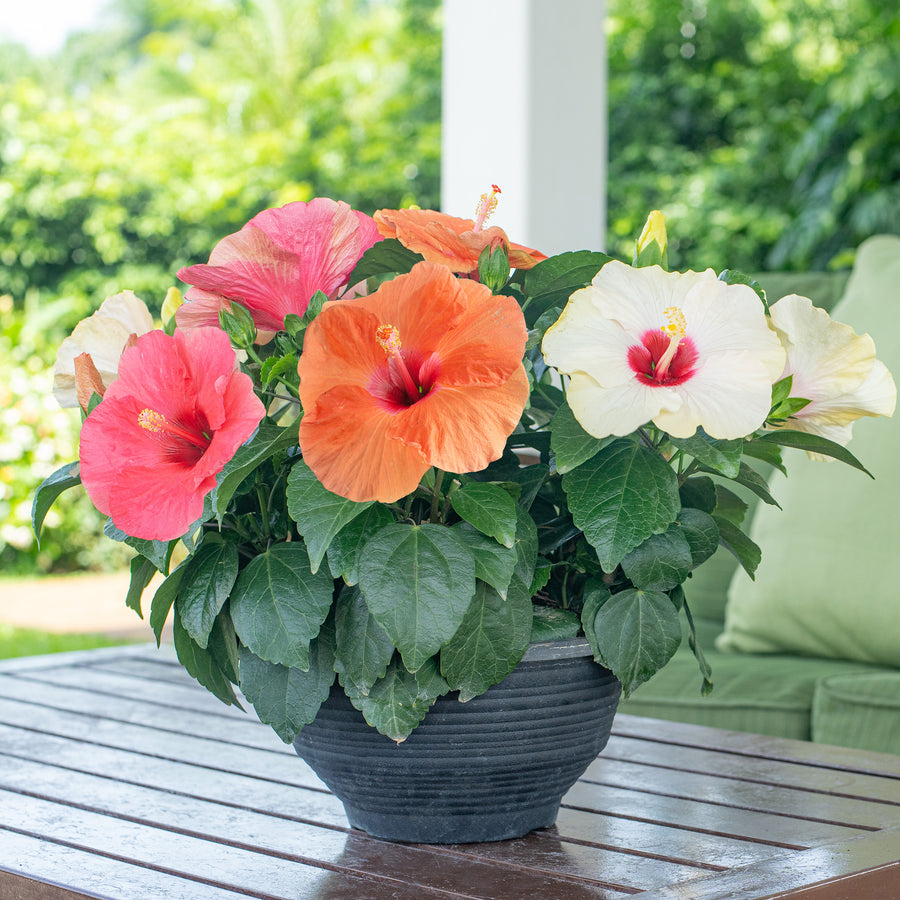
[(181, 444), (665, 357), (407, 375)]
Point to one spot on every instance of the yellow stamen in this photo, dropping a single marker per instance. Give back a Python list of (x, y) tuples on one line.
[(152, 420), (676, 329), (388, 339), (486, 206)]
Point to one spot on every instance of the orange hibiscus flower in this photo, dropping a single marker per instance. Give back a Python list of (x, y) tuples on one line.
[(427, 371), (452, 242)]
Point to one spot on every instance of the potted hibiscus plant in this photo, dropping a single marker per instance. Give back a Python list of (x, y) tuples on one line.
[(380, 459)]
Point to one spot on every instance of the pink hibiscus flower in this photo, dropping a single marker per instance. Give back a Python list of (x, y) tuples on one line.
[(151, 450), (276, 262)]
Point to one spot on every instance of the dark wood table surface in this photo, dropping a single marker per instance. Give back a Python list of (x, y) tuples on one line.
[(121, 778)]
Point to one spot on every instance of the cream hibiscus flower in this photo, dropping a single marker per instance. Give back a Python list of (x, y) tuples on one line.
[(833, 367), (103, 337), (683, 350)]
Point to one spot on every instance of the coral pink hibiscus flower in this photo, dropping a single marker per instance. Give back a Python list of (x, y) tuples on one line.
[(683, 350), (427, 371), (276, 262), (151, 450), (452, 242)]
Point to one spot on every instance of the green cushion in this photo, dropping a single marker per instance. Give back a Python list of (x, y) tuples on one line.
[(828, 582), (858, 711), (760, 694)]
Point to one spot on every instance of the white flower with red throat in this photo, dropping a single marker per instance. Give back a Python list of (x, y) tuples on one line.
[(681, 350), (833, 367)]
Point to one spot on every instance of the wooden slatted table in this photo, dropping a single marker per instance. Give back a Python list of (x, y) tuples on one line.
[(121, 778)]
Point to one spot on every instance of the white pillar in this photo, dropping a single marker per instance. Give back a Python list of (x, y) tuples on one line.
[(524, 107)]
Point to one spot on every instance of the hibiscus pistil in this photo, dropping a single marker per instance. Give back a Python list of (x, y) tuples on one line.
[(676, 330), (486, 206), (388, 339)]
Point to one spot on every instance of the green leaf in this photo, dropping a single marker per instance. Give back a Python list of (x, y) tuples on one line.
[(781, 390), (223, 647), (766, 452), (48, 490), (636, 634), (270, 437), (200, 663), (620, 497), (346, 546), (661, 562), (751, 479), (142, 572), (418, 581), (363, 649), (488, 508), (158, 552), (493, 563), (699, 492), (813, 443), (278, 605), (732, 276), (526, 546), (720, 455), (529, 480), (165, 596), (701, 532), (395, 706), (286, 698), (385, 257), (491, 640), (596, 593), (275, 366), (736, 542), (729, 506), (549, 624), (572, 445), (319, 513), (552, 281), (208, 579)]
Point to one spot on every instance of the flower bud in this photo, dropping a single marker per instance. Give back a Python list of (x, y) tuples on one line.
[(238, 324), (493, 268), (170, 306), (650, 247)]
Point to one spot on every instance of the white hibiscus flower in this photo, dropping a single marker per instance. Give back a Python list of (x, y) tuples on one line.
[(103, 337), (683, 350)]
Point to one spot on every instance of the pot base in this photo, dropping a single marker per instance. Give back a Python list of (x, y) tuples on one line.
[(493, 768)]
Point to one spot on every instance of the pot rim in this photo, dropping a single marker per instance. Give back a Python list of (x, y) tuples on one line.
[(565, 648)]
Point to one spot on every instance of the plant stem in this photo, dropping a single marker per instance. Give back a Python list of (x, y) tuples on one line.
[(436, 497)]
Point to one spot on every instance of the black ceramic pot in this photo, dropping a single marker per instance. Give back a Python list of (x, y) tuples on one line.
[(493, 768)]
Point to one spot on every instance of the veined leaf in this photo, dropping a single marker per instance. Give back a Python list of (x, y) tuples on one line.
[(201, 664), (620, 497), (661, 562), (319, 513), (739, 544), (208, 578), (48, 490), (362, 648), (418, 582), (812, 443), (572, 445), (636, 633), (488, 508), (278, 605), (721, 456), (286, 698), (491, 640)]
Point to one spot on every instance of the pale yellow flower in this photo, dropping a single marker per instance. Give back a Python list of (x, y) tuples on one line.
[(103, 336), (833, 367)]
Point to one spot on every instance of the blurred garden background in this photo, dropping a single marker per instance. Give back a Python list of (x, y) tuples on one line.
[(768, 131)]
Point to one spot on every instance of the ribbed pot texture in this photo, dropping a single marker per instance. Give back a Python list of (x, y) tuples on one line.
[(493, 768)]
